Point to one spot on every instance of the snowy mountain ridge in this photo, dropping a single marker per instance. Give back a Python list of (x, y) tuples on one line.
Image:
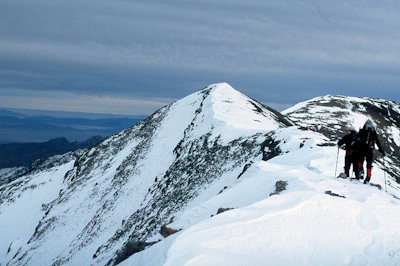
[(213, 149), (333, 115)]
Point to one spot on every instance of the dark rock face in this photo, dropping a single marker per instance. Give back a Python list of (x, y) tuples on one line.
[(270, 147), (129, 249)]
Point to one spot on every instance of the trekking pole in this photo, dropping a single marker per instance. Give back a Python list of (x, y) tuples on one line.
[(337, 156), (384, 172)]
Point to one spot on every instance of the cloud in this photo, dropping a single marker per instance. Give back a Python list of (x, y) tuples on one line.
[(148, 49), (66, 101)]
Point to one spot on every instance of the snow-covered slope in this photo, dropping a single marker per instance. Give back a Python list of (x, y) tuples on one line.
[(317, 220), (172, 173), (7, 175), (333, 115), (124, 189), (23, 204)]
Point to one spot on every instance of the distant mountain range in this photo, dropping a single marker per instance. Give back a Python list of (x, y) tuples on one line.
[(20, 125), (22, 154)]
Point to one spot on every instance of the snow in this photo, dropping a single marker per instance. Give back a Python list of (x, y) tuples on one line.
[(395, 133), (329, 116), (19, 219), (301, 226), (235, 109), (86, 216)]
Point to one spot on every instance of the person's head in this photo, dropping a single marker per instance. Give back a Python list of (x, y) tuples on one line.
[(352, 129), (368, 125)]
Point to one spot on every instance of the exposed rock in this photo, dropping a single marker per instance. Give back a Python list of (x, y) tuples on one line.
[(129, 249), (166, 231), (279, 187), (222, 190), (334, 194), (221, 210), (246, 166), (270, 148), (376, 185)]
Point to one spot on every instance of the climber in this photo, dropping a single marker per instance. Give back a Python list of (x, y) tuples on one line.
[(364, 146), (349, 159)]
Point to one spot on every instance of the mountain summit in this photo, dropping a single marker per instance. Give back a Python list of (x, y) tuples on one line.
[(159, 185)]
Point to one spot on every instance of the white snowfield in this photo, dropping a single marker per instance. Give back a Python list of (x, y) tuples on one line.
[(235, 109), (19, 218), (317, 220), (303, 225)]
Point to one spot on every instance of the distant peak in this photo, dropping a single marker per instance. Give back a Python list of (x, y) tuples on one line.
[(59, 140), (240, 111), (223, 86)]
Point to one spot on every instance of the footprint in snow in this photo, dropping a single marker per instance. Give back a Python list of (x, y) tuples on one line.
[(376, 247), (368, 220)]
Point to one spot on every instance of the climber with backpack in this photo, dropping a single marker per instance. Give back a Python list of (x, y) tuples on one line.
[(363, 146), (349, 158)]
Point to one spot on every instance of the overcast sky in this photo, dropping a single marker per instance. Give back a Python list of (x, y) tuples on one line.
[(132, 57)]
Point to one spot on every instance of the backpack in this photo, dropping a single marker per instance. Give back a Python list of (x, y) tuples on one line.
[(366, 135)]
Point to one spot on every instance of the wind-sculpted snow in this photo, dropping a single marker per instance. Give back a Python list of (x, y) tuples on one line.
[(215, 150), (333, 115), (124, 189), (317, 220)]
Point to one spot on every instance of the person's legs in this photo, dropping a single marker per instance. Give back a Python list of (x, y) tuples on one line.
[(347, 163), (358, 164), (369, 157), (355, 165)]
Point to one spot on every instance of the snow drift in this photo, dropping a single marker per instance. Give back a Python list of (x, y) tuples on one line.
[(214, 150)]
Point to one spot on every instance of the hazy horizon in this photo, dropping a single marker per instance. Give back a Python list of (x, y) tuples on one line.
[(133, 57)]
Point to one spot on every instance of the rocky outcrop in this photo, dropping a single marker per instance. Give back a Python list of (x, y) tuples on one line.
[(279, 187)]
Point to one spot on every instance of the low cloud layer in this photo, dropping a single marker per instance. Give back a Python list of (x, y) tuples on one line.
[(166, 50)]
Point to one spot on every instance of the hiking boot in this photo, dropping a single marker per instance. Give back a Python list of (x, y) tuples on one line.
[(361, 174), (342, 175)]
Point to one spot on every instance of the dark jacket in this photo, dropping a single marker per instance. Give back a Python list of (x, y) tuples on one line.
[(368, 139), (347, 140)]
